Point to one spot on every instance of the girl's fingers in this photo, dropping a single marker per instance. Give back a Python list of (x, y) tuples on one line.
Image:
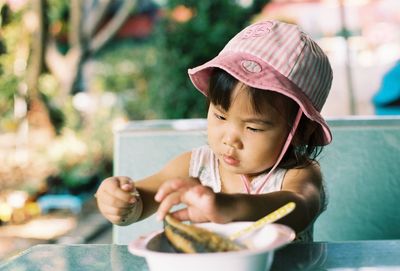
[(202, 205), (167, 203), (181, 214), (200, 196), (198, 200), (169, 187), (117, 199), (116, 193), (110, 210), (171, 193), (126, 184)]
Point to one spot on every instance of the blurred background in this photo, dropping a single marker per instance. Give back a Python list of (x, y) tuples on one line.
[(74, 72)]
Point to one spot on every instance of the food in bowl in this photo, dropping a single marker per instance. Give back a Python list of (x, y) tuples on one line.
[(192, 239), (258, 255)]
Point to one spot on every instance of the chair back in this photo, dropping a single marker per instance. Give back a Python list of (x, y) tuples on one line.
[(361, 169)]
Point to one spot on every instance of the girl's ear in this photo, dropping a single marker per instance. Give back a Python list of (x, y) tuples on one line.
[(304, 132)]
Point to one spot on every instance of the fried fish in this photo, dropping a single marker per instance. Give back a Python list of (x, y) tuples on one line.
[(192, 239)]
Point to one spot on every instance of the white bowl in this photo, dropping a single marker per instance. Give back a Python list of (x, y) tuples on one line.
[(160, 256)]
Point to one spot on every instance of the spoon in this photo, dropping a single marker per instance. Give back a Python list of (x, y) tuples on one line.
[(270, 218)]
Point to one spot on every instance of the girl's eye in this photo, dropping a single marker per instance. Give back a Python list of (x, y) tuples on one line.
[(218, 116), (254, 130)]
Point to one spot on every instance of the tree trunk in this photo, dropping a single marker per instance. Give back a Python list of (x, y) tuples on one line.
[(84, 41), (38, 115)]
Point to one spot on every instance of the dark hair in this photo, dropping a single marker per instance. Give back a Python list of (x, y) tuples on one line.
[(303, 148)]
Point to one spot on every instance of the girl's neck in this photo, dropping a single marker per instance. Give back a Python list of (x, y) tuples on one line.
[(233, 183), (250, 177), (230, 182)]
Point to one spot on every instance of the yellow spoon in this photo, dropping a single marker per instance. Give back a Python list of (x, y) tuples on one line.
[(270, 218)]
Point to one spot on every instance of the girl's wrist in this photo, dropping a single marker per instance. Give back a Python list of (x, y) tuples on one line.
[(136, 211), (227, 207), (236, 207)]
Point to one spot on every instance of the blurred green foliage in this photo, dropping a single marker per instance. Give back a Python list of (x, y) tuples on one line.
[(125, 68), (150, 76), (11, 65), (129, 79), (8, 86), (183, 45)]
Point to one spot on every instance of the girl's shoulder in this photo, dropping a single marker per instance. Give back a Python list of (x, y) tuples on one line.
[(201, 158), (310, 173), (312, 166), (202, 152), (181, 163)]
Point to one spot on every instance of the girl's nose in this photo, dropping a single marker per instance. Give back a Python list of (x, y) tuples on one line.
[(232, 140)]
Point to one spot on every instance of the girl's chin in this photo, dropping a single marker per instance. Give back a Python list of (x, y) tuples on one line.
[(234, 170)]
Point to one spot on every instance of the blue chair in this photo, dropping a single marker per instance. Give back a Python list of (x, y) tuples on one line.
[(387, 99), (360, 167)]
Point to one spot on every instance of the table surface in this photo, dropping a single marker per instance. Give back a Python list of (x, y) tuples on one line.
[(359, 255)]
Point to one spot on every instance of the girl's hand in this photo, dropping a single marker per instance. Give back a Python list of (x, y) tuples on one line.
[(117, 201), (202, 204)]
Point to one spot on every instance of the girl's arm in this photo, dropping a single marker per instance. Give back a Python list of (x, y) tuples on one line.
[(116, 199), (176, 169), (301, 186)]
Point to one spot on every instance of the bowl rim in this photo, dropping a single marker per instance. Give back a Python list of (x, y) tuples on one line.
[(284, 236)]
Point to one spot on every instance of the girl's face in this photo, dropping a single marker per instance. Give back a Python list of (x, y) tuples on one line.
[(245, 142)]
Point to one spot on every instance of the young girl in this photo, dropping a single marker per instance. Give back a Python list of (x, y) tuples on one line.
[(265, 90)]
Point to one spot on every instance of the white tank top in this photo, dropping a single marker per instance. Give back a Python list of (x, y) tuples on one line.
[(204, 166)]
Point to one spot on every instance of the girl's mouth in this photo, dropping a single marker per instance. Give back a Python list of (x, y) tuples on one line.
[(230, 160)]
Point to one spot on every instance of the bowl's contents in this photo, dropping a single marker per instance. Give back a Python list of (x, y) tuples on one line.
[(191, 239)]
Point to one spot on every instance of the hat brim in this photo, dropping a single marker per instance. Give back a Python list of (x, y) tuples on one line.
[(266, 77)]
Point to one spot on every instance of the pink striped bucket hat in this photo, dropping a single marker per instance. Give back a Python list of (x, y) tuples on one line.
[(278, 57)]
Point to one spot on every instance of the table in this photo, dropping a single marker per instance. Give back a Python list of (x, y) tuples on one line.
[(357, 255)]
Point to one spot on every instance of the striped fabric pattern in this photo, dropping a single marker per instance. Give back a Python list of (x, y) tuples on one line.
[(289, 51), (278, 57)]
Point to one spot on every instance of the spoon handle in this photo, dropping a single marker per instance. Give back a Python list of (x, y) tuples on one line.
[(270, 218)]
